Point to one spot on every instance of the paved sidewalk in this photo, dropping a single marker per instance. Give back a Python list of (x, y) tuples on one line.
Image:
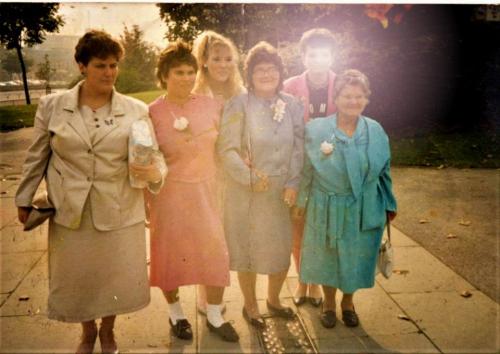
[(439, 319)]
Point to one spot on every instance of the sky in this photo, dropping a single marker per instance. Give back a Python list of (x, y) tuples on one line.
[(82, 16)]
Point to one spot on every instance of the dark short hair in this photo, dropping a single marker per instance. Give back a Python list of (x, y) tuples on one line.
[(351, 77), (176, 54), (317, 37), (263, 52), (97, 44)]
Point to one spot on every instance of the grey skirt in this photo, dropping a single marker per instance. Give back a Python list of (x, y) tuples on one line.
[(95, 274), (258, 228)]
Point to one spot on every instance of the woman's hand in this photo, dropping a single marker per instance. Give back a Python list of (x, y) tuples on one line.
[(298, 213), (23, 213), (289, 196), (262, 183), (149, 173), (391, 215)]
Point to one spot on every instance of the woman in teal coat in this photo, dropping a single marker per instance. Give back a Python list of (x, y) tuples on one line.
[(346, 192)]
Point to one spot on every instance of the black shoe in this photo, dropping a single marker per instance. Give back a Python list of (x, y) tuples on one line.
[(328, 318), (350, 318), (299, 300), (285, 312), (182, 329), (315, 301), (256, 322), (226, 332)]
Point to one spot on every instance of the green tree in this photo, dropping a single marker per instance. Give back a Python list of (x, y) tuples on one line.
[(137, 71), (26, 24), (45, 71)]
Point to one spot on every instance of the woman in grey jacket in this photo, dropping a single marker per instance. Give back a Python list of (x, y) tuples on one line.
[(261, 147)]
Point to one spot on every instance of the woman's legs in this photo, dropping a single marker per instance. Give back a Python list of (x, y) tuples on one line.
[(89, 335), (106, 335), (214, 295), (276, 281), (174, 306), (347, 302), (298, 233), (247, 282), (329, 300)]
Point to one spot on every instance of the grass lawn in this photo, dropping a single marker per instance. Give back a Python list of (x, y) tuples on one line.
[(446, 150)]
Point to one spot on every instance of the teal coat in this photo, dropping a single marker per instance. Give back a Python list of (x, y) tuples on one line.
[(346, 194)]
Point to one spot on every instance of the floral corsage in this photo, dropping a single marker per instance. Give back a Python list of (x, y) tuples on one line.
[(181, 123), (279, 110), (326, 147)]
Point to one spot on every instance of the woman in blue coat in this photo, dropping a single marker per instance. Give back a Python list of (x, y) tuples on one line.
[(346, 192)]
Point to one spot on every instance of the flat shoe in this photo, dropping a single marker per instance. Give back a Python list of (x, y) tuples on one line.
[(226, 332), (328, 319), (315, 301), (182, 329), (285, 312), (299, 300), (203, 310), (350, 318), (255, 322)]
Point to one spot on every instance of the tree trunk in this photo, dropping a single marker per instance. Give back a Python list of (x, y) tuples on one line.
[(25, 79)]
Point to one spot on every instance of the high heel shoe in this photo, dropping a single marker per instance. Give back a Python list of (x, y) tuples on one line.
[(255, 322)]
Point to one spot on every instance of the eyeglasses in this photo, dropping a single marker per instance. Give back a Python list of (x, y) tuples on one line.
[(271, 71), (349, 97)]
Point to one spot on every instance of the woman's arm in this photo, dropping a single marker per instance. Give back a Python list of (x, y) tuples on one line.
[(387, 194), (229, 142), (297, 158), (305, 182), (37, 158)]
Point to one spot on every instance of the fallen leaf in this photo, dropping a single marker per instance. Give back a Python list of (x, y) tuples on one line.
[(464, 222), (401, 271), (152, 346), (466, 294), (423, 221), (440, 167), (24, 298), (404, 317), (451, 236)]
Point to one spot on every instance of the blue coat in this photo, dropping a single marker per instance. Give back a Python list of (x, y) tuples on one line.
[(347, 194)]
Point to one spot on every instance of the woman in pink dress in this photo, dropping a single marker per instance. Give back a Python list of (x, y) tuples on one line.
[(187, 238)]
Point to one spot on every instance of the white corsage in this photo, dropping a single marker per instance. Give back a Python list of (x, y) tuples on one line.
[(279, 110), (181, 123), (326, 148)]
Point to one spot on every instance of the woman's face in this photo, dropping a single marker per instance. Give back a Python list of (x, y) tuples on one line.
[(265, 79), (318, 60), (180, 80), (351, 101), (100, 74), (220, 62)]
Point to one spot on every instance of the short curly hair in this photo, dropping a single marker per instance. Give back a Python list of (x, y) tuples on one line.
[(97, 44), (263, 52), (351, 77), (176, 54)]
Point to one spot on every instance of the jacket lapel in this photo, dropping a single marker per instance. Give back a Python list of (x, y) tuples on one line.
[(75, 119)]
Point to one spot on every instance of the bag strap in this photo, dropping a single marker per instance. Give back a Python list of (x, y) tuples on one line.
[(388, 227)]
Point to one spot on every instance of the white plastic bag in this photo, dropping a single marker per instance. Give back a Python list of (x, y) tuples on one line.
[(140, 149)]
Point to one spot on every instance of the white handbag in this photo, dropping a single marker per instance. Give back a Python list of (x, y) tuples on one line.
[(385, 261)]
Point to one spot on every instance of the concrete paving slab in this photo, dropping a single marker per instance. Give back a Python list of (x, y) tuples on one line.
[(454, 323), (3, 299), (8, 211), (37, 334), (398, 343), (340, 345), (35, 287), (15, 266), (426, 273), (399, 239), (373, 306), (6, 183), (14, 239)]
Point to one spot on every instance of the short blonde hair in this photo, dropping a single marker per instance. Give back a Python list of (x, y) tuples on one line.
[(351, 77), (202, 45)]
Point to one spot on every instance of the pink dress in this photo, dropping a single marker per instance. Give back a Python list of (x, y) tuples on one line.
[(187, 236)]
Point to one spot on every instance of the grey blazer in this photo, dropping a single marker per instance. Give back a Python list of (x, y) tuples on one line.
[(248, 131), (76, 168)]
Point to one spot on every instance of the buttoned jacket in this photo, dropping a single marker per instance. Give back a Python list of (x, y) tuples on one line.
[(77, 167)]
